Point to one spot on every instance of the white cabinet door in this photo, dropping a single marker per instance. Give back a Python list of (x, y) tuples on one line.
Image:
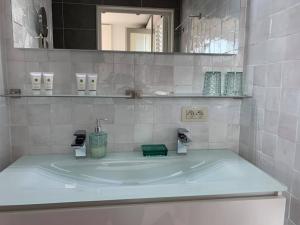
[(247, 211)]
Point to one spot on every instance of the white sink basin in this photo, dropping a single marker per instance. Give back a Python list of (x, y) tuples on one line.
[(126, 172), (128, 176)]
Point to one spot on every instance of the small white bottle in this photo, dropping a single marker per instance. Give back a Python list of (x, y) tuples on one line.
[(48, 82), (81, 83), (92, 83), (36, 81)]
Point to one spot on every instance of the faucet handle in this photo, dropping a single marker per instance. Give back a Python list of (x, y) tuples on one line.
[(80, 138), (182, 131), (182, 135), (80, 133)]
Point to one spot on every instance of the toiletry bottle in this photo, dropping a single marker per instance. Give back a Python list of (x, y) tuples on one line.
[(92, 82), (81, 83), (36, 80), (48, 83), (98, 141)]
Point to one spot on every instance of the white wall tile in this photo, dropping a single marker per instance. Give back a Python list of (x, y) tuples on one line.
[(290, 101), (183, 75), (273, 37), (166, 60), (271, 121), (180, 60), (269, 143), (274, 75), (260, 73), (164, 113), (272, 99), (287, 127), (38, 114), (292, 52), (164, 133), (60, 113), (290, 78), (82, 114), (217, 132), (61, 135), (123, 58), (124, 134), (124, 114), (144, 113), (297, 157), (105, 111), (39, 136), (296, 185), (285, 152), (19, 135), (283, 173), (143, 133)]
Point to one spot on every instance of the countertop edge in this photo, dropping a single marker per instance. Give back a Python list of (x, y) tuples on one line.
[(106, 203)]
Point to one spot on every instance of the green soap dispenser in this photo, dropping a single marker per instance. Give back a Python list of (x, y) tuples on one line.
[(98, 141)]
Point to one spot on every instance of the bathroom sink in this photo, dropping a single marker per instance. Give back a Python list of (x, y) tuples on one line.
[(127, 172), (51, 179)]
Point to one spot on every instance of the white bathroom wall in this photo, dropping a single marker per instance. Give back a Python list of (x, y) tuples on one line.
[(270, 122), (45, 125), (5, 151)]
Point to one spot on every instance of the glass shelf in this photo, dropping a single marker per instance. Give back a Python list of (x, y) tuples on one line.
[(191, 95), (121, 96), (62, 96)]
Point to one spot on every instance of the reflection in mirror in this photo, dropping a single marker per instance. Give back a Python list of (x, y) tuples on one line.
[(135, 29), (186, 26), (32, 23)]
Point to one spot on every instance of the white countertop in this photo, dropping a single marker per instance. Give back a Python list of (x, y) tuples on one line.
[(31, 183)]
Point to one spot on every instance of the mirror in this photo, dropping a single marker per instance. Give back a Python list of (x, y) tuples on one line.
[(185, 26)]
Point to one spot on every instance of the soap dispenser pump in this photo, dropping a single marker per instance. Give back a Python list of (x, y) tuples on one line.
[(98, 141)]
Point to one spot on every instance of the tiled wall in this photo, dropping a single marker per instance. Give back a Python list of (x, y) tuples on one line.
[(220, 30), (5, 151), (45, 125), (270, 123), (25, 22)]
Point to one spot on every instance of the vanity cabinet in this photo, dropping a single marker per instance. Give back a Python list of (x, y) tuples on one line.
[(267, 210)]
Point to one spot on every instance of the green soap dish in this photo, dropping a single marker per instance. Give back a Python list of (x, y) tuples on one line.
[(154, 150)]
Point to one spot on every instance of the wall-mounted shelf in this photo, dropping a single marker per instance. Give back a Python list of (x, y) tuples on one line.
[(129, 94), (173, 96), (193, 96), (62, 96)]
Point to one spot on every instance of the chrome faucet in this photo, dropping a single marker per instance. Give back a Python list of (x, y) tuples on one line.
[(183, 141), (79, 145)]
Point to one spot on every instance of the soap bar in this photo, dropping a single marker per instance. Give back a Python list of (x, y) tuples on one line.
[(154, 150)]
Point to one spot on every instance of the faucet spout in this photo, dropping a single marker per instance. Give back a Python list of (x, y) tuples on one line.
[(183, 141)]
